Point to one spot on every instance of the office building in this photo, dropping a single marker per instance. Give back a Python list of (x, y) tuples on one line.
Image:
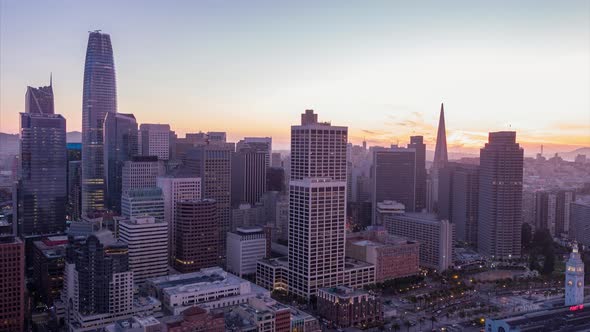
[(276, 214), (459, 199), (176, 187), (143, 202), (142, 172), (147, 241), (197, 235), (393, 257), (42, 194), (417, 144), (246, 215), (120, 146), (273, 273), (394, 176), (210, 288), (217, 137), (262, 144), (441, 158), (99, 98), (40, 100), (154, 140), (98, 285), (245, 247), (275, 160), (12, 287), (212, 163), (75, 190), (249, 166), (346, 307), (317, 209), (386, 208), (48, 267), (580, 220), (434, 235), (500, 196), (275, 179)]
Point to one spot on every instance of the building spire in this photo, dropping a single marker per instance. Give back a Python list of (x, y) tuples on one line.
[(50, 79), (440, 152)]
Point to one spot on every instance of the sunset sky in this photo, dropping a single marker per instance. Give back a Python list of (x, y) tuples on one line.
[(380, 68)]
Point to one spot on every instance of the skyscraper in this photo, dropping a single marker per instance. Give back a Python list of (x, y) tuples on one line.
[(249, 171), (12, 287), (317, 209), (155, 140), (197, 235), (99, 98), (212, 163), (500, 196), (141, 172), (440, 160), (98, 285), (417, 143), (394, 176), (175, 188), (440, 152), (120, 145), (40, 100), (42, 196)]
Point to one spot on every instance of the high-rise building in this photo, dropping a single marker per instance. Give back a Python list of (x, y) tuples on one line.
[(155, 140), (563, 211), (417, 143), (143, 202), (317, 209), (574, 279), (434, 235), (120, 145), (42, 196), (12, 287), (142, 172), (175, 188), (245, 247), (147, 241), (500, 196), (580, 220), (98, 285), (197, 235), (275, 160), (249, 167), (48, 267), (40, 100), (394, 176), (262, 144), (99, 98), (440, 160), (212, 163), (75, 189)]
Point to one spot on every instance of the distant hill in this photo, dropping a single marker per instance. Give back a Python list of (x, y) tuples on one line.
[(572, 154), (74, 137)]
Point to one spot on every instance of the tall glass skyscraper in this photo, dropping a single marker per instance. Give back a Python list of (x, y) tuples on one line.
[(99, 98), (120, 145)]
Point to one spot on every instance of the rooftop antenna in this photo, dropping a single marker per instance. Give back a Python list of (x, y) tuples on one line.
[(50, 79)]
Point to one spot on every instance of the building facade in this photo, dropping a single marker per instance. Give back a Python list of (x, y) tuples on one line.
[(42, 193), (143, 202), (147, 241), (12, 287), (99, 98), (394, 176), (245, 247), (197, 235), (500, 196), (345, 307), (142, 172), (154, 140)]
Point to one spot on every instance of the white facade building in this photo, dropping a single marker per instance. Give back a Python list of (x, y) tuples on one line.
[(435, 237), (141, 172), (143, 202), (147, 240), (154, 140), (245, 247), (213, 287), (175, 189)]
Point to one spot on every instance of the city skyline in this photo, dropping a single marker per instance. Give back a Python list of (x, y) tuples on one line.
[(249, 70)]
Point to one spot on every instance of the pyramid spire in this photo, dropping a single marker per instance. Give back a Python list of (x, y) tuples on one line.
[(440, 153)]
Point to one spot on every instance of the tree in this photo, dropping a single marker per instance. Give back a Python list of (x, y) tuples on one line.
[(432, 321), (407, 325)]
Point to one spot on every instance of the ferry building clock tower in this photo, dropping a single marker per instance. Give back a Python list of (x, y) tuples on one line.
[(574, 279)]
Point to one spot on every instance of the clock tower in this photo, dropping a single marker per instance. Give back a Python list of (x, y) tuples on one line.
[(574, 279)]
